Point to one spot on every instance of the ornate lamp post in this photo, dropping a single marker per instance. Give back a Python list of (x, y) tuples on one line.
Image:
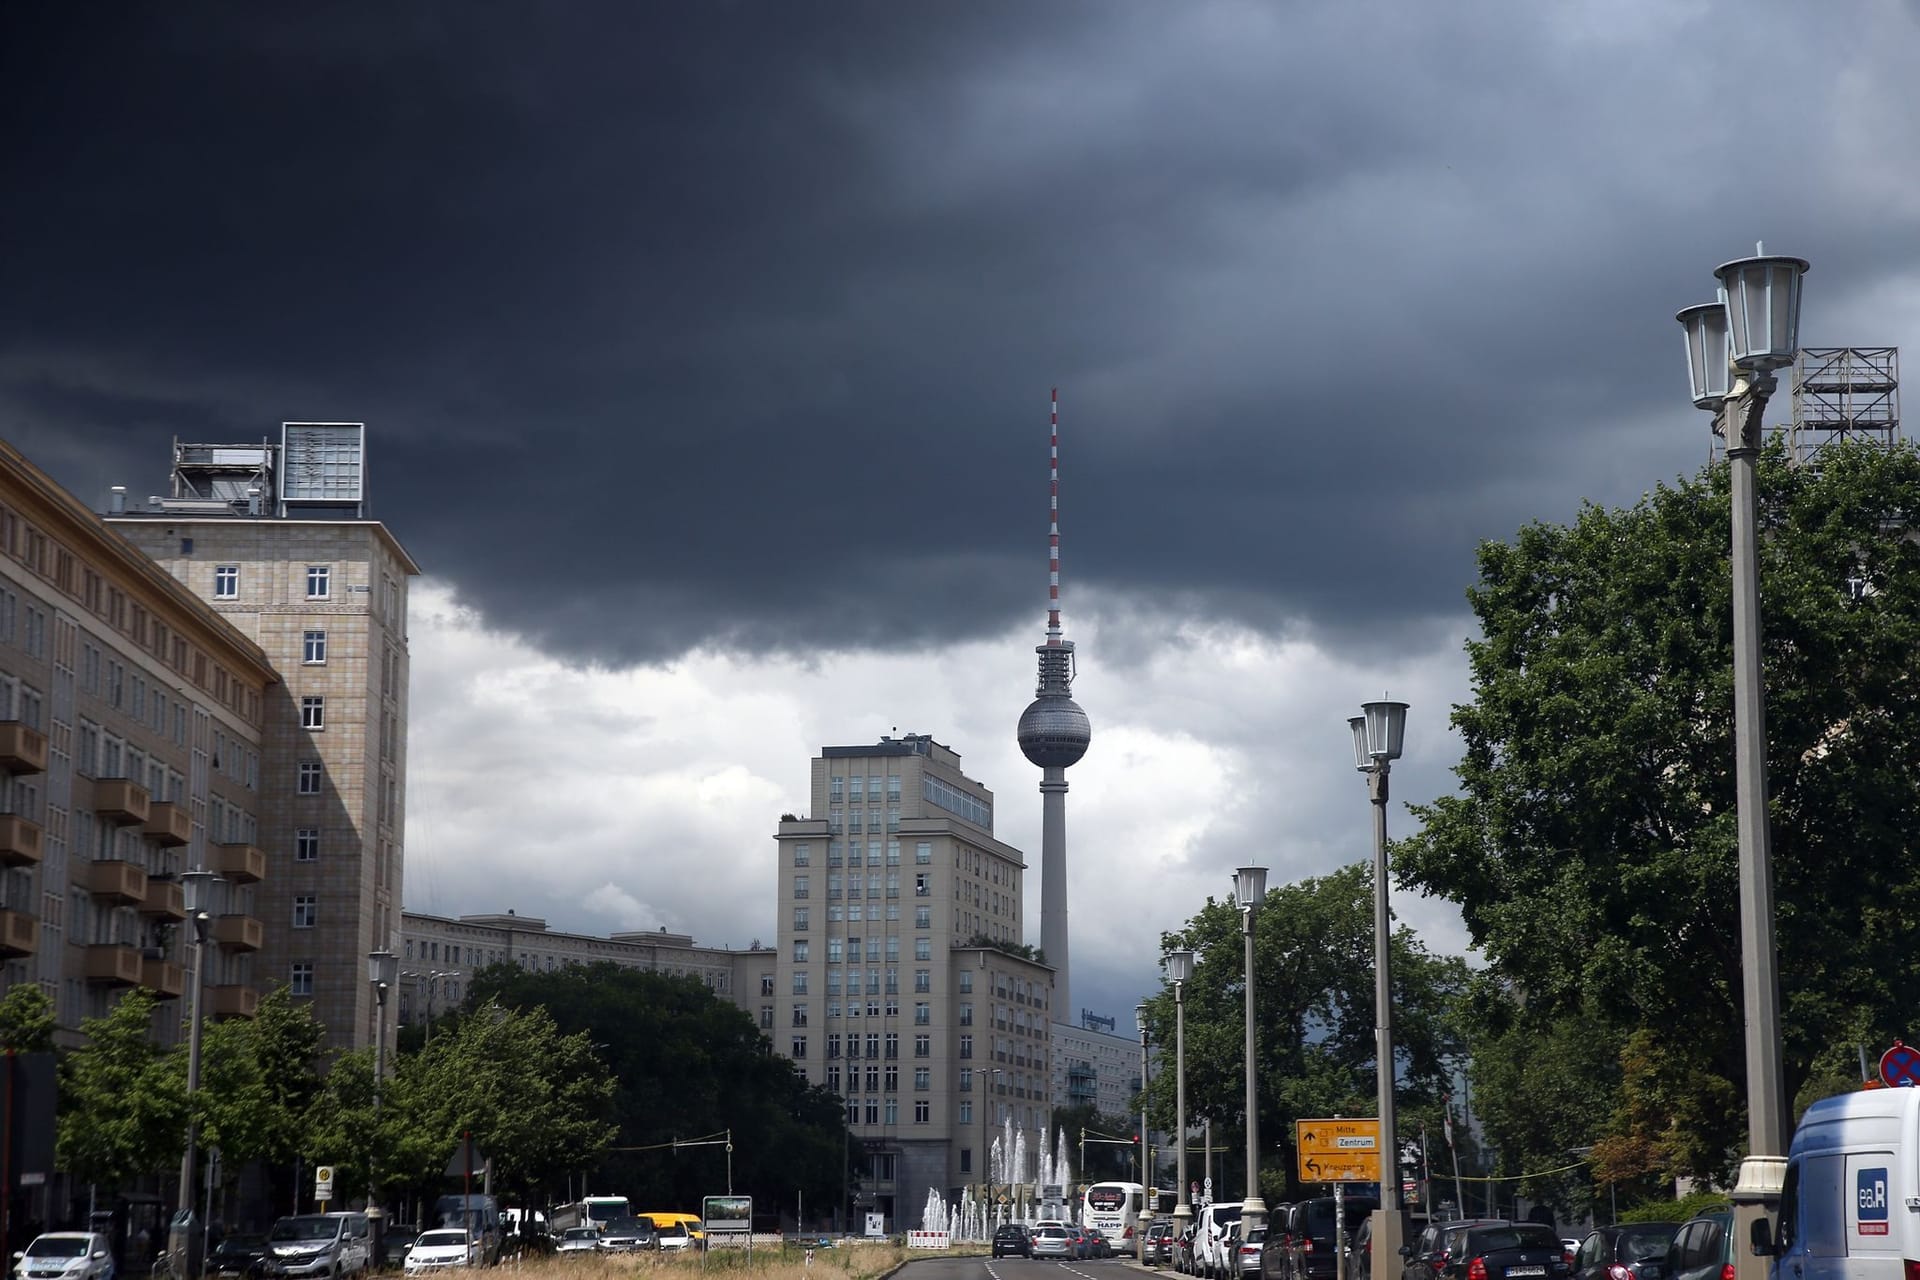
[(383, 969), (1378, 735), (200, 890), (1755, 329), (1250, 888), (1179, 969), (1146, 1169)]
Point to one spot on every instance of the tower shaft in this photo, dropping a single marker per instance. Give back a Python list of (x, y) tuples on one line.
[(1053, 886)]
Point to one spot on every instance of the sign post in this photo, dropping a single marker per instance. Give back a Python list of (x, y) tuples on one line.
[(1338, 1150), (323, 1184)]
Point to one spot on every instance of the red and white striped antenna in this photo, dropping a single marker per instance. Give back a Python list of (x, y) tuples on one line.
[(1053, 526)]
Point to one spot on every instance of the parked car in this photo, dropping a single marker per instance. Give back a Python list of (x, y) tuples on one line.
[(1183, 1252), (1098, 1244), (1625, 1251), (1430, 1251), (318, 1244), (1309, 1251), (1502, 1251), (674, 1235), (1012, 1241), (394, 1243), (1249, 1252), (442, 1248), (578, 1240), (1358, 1264), (1209, 1239), (1158, 1244), (1702, 1248), (627, 1235), (238, 1254), (70, 1255), (1052, 1242)]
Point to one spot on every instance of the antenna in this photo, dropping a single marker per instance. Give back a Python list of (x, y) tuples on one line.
[(1053, 525)]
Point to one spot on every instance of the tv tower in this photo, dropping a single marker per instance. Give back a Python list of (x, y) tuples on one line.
[(1054, 733)]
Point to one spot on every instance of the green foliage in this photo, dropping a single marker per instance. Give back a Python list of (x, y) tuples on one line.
[(686, 1064), (1104, 1159), (1687, 1206), (1592, 844), (1314, 1034), (26, 1019), (123, 1108), (1019, 950)]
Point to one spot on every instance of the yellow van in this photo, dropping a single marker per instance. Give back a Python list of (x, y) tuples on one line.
[(691, 1221)]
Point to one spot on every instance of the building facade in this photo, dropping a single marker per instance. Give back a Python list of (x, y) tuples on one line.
[(133, 731), (323, 593), (440, 954), (900, 980)]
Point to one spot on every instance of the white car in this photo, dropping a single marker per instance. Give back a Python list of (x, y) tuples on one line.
[(68, 1255), (577, 1240), (446, 1247), (674, 1236)]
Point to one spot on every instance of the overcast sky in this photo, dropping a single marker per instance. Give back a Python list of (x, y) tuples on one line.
[(705, 348)]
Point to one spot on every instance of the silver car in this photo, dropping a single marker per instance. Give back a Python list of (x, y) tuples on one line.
[(1053, 1242)]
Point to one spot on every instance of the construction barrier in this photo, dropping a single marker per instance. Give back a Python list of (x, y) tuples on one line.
[(929, 1239)]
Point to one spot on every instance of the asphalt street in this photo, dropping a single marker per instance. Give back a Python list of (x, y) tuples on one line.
[(1016, 1269)]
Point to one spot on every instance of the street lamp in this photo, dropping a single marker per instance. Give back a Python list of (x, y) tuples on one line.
[(1250, 888), (1755, 329), (200, 891), (1378, 735), (383, 968), (1179, 969), (986, 1158), (1146, 1174)]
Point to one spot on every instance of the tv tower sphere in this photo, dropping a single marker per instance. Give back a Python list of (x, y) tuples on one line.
[(1054, 732)]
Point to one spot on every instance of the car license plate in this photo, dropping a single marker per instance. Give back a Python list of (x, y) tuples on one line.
[(1527, 1271)]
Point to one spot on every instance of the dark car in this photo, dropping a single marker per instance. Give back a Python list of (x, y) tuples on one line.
[(1702, 1248), (1183, 1252), (1306, 1250), (1012, 1240), (1158, 1244), (1502, 1251), (1625, 1251), (628, 1235), (238, 1254), (1359, 1260), (1429, 1252)]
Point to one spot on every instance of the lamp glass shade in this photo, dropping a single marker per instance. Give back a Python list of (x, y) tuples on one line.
[(1361, 760), (1386, 729), (1250, 885), (1762, 297), (1707, 363), (382, 967), (1179, 966), (197, 889), (1140, 1018)]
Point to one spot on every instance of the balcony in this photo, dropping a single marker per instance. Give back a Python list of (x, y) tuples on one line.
[(19, 933), (121, 801), (239, 933), (114, 880), (232, 1001), (19, 841), (115, 965), (169, 823), (165, 898), (22, 749), (240, 863), (166, 979)]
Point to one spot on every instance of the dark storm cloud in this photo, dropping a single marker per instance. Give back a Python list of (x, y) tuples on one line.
[(733, 323)]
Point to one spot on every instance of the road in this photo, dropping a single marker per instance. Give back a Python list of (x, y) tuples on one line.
[(1018, 1269)]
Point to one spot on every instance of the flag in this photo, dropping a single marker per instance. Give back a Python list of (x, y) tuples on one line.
[(1446, 1104)]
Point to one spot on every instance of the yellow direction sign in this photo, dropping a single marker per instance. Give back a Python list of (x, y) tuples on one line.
[(1338, 1150)]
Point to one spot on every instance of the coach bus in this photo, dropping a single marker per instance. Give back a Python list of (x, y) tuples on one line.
[(1116, 1208)]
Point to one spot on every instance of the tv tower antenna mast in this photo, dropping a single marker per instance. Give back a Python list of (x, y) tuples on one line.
[(1054, 733)]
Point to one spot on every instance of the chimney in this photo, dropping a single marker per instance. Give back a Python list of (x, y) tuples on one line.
[(117, 500), (253, 502)]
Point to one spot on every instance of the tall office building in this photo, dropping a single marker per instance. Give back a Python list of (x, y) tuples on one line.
[(275, 538), (899, 980)]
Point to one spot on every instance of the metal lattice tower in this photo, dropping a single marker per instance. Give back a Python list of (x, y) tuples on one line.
[(1844, 393)]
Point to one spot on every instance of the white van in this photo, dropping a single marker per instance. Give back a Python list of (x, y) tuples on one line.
[(1209, 1241), (1850, 1203)]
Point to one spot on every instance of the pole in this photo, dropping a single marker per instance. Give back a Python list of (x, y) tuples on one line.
[(1383, 989), (1182, 1210), (6, 1161), (186, 1263), (376, 1211), (1761, 1171), (1146, 1167), (1253, 1211)]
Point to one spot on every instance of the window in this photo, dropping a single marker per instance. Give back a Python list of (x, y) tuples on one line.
[(799, 1046), (766, 984), (800, 886), (923, 1077), (800, 1015), (923, 1047), (893, 1111), (923, 948), (966, 1046), (800, 919), (313, 712), (313, 648), (923, 980), (306, 844), (922, 885), (800, 950), (319, 581), (226, 581), (309, 784), (835, 951), (873, 1046), (800, 982), (966, 1013), (923, 852), (966, 982), (923, 917), (893, 1044), (305, 909), (766, 1017), (922, 1014), (922, 1111), (802, 852), (301, 979), (833, 1045), (966, 1117)]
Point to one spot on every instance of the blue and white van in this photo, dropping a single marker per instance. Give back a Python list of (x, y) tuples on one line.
[(1850, 1202)]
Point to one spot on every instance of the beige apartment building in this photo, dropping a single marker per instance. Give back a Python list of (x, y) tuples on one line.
[(896, 982), (133, 719), (440, 954), (292, 563)]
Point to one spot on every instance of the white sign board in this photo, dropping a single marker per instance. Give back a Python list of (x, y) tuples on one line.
[(323, 1182), (876, 1225)]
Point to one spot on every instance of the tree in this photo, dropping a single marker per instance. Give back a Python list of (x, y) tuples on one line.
[(1107, 1156), (1592, 845), (26, 1019), (1314, 1034), (123, 1107)]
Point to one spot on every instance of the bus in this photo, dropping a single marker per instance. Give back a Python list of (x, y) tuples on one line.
[(1117, 1208)]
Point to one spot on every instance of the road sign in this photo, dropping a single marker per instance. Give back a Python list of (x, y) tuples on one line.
[(323, 1182), (1900, 1064), (1338, 1150)]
